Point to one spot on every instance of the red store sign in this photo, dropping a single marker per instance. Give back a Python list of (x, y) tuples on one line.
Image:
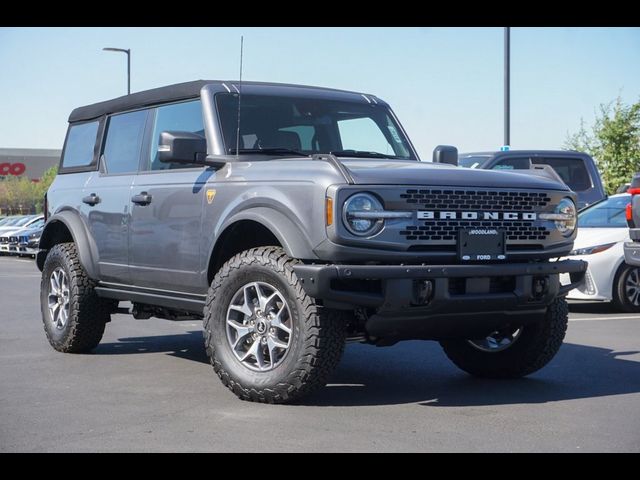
[(12, 168)]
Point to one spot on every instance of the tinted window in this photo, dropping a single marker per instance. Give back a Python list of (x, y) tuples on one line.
[(124, 142), (78, 151), (182, 117), (572, 171), (607, 214), (512, 164)]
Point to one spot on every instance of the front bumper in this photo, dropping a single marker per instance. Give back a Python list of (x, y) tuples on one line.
[(463, 298)]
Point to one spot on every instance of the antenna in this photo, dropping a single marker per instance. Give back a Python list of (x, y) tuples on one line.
[(239, 99)]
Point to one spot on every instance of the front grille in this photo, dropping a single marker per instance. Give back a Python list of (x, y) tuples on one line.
[(476, 199), (446, 230), (430, 230), (13, 239)]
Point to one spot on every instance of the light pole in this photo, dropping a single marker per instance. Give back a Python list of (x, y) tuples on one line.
[(507, 81), (128, 52)]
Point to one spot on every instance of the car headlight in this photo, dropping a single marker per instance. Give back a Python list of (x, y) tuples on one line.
[(34, 235), (591, 250), (360, 214), (565, 217)]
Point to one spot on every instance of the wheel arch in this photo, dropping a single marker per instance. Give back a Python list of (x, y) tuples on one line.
[(257, 227), (67, 226)]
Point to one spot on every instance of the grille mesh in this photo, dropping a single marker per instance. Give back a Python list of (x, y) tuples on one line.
[(474, 200)]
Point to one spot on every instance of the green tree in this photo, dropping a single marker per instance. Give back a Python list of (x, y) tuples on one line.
[(21, 195), (613, 141)]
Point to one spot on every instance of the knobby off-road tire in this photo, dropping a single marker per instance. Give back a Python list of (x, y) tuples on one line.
[(625, 287), (533, 348), (81, 328), (315, 343)]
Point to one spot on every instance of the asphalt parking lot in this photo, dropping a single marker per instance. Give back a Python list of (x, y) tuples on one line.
[(149, 387)]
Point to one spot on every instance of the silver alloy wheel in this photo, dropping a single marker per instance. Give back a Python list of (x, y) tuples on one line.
[(259, 326), (632, 287), (58, 298), (497, 341)]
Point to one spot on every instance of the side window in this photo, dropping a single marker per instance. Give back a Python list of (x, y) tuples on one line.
[(363, 134), (572, 171), (124, 142), (521, 163), (182, 117), (81, 140)]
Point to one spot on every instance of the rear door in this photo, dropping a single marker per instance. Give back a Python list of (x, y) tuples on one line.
[(107, 194), (166, 229)]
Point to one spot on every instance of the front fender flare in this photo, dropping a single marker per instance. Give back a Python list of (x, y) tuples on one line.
[(87, 249), (291, 236)]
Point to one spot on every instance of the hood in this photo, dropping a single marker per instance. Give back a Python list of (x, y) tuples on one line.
[(591, 237), (410, 172)]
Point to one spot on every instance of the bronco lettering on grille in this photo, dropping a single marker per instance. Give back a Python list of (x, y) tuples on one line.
[(429, 215)]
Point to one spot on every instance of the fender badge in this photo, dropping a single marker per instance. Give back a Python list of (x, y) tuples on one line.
[(211, 193)]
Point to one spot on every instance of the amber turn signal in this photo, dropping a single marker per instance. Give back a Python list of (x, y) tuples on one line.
[(329, 211)]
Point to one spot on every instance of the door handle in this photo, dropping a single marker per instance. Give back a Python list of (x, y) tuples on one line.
[(143, 198), (91, 200)]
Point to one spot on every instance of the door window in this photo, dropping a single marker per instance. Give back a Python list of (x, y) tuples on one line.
[(182, 117), (123, 145)]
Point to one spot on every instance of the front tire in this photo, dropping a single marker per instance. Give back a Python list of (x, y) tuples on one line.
[(626, 289), (74, 316), (514, 353), (266, 339)]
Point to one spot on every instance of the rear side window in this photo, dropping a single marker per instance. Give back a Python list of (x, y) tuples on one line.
[(181, 117), (81, 140), (123, 145), (572, 171)]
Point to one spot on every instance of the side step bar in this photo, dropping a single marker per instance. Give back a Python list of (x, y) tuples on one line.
[(175, 300)]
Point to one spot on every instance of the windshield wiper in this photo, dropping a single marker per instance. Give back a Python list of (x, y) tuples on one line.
[(268, 151), (361, 154)]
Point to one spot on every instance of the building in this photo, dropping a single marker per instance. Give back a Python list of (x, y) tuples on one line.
[(28, 162)]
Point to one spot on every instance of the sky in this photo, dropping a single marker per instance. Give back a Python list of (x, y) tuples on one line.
[(444, 84)]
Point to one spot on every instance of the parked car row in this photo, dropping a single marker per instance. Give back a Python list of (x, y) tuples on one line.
[(20, 235)]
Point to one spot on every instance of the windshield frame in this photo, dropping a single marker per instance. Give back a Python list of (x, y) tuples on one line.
[(223, 148)]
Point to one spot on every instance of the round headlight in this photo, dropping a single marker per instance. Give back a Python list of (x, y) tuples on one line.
[(358, 214), (567, 209)]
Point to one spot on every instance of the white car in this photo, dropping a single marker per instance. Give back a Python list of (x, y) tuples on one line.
[(602, 231)]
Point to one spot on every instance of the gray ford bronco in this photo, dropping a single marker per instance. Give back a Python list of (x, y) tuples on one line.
[(292, 219)]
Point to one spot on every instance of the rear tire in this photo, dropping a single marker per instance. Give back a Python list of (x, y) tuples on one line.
[(532, 349), (626, 289), (74, 316), (266, 339)]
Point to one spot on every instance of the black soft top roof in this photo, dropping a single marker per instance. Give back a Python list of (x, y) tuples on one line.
[(183, 91)]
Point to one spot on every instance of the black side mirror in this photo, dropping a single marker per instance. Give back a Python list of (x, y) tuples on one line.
[(445, 154), (182, 147)]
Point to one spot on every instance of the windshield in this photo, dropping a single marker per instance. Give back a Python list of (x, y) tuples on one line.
[(607, 214), (472, 161), (294, 125)]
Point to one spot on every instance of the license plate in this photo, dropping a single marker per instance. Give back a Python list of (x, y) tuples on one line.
[(481, 244)]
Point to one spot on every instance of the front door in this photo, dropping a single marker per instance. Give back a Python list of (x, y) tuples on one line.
[(166, 228)]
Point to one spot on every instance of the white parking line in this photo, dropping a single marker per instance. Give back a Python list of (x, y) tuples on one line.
[(594, 319)]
